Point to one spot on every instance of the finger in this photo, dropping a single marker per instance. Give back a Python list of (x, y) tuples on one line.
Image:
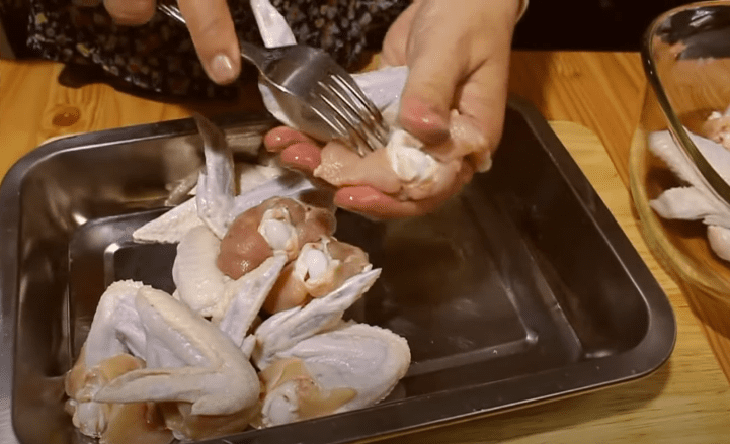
[(477, 127), (302, 156), (281, 137), (130, 12), (214, 36), (396, 39), (437, 62), (482, 103), (482, 107)]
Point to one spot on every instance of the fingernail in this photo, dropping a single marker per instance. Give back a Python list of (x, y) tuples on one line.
[(222, 69), (301, 157)]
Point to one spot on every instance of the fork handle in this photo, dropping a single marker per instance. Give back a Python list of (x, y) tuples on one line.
[(258, 56), (254, 54)]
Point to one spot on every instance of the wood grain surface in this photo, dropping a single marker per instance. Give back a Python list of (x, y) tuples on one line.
[(602, 91), (598, 97)]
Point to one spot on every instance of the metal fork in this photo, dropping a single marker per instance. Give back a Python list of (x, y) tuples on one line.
[(318, 95)]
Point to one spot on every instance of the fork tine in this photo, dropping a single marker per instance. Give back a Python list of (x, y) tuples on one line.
[(358, 135), (344, 78), (357, 138), (334, 120), (171, 11), (342, 109), (354, 139), (374, 113), (356, 113), (328, 110), (361, 110)]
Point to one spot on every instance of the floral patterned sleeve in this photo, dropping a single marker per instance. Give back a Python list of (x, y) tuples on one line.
[(159, 56)]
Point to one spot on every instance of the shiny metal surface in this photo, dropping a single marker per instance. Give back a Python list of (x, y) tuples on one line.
[(521, 289), (317, 94)]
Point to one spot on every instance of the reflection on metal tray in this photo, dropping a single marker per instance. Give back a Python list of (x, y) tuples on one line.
[(522, 288)]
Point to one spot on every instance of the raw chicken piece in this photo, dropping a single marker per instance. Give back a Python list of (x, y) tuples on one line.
[(199, 282), (717, 128), (698, 200), (320, 268), (245, 297), (216, 181), (352, 367), (189, 360), (341, 166), (187, 426), (175, 223), (400, 169), (683, 203), (277, 224), (170, 227), (719, 238), (406, 168), (662, 145), (274, 29), (294, 395), (715, 154), (287, 328), (112, 423), (206, 290)]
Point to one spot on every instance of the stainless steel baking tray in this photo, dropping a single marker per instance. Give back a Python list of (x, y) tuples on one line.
[(521, 289)]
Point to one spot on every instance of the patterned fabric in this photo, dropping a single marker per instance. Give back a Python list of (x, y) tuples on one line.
[(160, 57)]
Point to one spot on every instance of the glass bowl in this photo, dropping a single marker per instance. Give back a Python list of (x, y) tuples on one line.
[(679, 175)]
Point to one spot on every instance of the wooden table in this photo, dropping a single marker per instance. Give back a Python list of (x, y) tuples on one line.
[(594, 100)]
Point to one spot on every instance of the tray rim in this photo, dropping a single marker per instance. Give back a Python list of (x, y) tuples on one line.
[(403, 416)]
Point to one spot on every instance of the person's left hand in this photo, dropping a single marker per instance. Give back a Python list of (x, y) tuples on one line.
[(458, 59)]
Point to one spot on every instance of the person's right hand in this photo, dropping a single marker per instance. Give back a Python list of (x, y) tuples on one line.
[(458, 59), (211, 29)]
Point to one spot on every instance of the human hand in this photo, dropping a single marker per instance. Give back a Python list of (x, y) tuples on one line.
[(458, 59), (367, 185), (211, 29)]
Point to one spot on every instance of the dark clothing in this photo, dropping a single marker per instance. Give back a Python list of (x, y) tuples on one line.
[(160, 57)]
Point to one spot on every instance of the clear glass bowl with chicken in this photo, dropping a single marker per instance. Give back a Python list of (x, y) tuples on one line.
[(680, 155)]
